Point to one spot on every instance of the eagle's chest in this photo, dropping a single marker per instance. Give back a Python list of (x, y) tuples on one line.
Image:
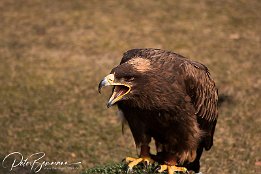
[(148, 121)]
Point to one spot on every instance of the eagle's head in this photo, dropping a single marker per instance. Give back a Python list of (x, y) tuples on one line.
[(128, 79)]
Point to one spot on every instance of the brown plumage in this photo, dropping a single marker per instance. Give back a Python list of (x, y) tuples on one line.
[(169, 98)]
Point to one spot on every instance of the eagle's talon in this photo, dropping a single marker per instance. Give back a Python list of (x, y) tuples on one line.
[(172, 169), (162, 168), (135, 161), (148, 161)]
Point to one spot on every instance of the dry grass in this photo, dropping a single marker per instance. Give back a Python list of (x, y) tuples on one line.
[(53, 54)]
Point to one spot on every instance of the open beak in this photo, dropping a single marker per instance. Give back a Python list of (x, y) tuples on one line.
[(119, 90)]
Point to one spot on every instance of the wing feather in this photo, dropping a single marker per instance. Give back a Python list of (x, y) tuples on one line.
[(204, 95)]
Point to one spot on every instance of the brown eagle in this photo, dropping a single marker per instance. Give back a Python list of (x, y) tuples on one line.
[(169, 98)]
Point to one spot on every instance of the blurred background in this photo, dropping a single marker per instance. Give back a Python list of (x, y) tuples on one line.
[(54, 53)]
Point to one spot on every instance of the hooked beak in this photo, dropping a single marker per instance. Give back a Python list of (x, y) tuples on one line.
[(119, 90)]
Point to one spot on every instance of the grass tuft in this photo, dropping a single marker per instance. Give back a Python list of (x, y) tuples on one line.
[(122, 168)]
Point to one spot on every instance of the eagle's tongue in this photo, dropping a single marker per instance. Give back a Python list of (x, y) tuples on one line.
[(120, 90)]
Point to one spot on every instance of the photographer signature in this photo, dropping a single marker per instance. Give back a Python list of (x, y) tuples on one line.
[(34, 161)]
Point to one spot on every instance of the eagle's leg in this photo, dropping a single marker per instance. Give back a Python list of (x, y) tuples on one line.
[(144, 157)]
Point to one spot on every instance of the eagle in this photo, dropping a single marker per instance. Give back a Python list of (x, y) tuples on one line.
[(169, 98)]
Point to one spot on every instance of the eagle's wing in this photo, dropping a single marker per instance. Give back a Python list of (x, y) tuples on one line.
[(204, 96)]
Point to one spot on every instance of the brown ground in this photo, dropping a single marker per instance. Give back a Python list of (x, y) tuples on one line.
[(53, 54)]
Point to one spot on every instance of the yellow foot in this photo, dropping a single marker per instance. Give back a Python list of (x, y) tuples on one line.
[(135, 161), (172, 169)]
